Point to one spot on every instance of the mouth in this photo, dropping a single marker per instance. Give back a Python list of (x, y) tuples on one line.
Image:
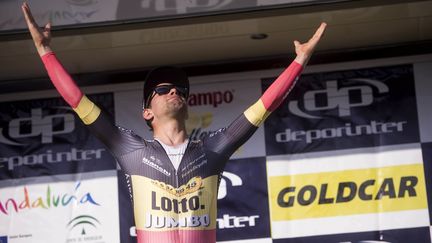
[(176, 99)]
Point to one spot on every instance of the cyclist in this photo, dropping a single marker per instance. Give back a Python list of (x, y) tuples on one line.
[(174, 180)]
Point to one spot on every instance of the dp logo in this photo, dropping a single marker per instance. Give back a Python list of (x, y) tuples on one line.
[(37, 125)]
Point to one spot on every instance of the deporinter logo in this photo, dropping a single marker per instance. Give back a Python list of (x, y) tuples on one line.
[(349, 130), (37, 125), (333, 97), (50, 157)]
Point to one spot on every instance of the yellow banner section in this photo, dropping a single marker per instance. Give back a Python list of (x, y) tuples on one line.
[(374, 190), (160, 207)]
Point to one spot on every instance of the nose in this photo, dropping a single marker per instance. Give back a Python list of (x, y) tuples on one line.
[(174, 91)]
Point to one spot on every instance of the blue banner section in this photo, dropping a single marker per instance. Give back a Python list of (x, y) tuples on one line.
[(417, 235), (45, 137), (3, 239), (242, 201), (345, 109)]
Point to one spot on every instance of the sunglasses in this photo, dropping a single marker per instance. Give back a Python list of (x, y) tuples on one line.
[(165, 89)]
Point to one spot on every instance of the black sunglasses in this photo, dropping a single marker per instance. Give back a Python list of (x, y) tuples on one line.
[(165, 89)]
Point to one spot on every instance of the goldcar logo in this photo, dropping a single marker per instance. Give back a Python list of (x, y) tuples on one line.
[(349, 192)]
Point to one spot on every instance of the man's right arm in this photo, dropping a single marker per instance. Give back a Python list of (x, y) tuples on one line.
[(100, 123)]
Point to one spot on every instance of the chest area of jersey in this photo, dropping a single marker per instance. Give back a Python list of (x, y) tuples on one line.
[(156, 164)]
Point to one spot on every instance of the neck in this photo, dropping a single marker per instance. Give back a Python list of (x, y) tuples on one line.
[(172, 132)]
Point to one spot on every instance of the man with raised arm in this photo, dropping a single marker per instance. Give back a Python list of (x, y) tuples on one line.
[(174, 180)]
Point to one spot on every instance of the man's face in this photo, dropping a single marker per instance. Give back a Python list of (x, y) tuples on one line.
[(168, 100)]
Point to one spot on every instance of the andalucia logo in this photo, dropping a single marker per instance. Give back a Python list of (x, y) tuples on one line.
[(83, 223)]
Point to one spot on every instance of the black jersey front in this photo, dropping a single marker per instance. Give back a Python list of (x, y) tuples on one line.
[(173, 205)]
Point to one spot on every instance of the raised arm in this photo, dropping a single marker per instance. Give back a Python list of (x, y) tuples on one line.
[(225, 141), (280, 88), (61, 79)]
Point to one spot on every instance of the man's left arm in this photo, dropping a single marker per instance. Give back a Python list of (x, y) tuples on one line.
[(242, 128), (279, 89)]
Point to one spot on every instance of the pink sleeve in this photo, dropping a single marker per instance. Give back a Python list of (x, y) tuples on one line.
[(280, 88), (63, 82)]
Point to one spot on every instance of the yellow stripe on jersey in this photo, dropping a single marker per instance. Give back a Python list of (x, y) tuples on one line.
[(87, 110), (257, 113)]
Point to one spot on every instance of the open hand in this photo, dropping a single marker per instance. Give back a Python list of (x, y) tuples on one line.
[(41, 38), (304, 51)]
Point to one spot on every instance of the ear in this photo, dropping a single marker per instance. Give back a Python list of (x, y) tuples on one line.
[(147, 114)]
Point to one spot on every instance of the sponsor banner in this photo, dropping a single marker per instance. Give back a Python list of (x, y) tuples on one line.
[(427, 156), (423, 74), (67, 208), (325, 193), (45, 136), (345, 109), (211, 106), (417, 235), (3, 239), (64, 12), (242, 201)]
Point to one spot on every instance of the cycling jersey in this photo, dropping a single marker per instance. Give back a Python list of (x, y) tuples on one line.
[(170, 205)]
